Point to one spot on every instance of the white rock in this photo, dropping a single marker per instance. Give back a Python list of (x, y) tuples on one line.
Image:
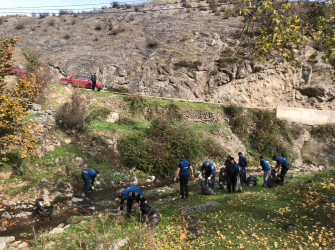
[(74, 199), (83, 222), (23, 214), (50, 245), (8, 239), (60, 225), (118, 244), (56, 230), (2, 244), (67, 141), (23, 245), (6, 215), (113, 117), (50, 148), (98, 183), (80, 161), (92, 208)]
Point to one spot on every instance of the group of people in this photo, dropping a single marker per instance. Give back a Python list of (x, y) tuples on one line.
[(231, 168)]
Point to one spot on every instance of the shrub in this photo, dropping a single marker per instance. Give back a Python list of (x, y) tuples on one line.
[(32, 58), (66, 37), (173, 112), (98, 27), (261, 131), (186, 64), (20, 26), (63, 12), (120, 89), (158, 151), (115, 5), (51, 23), (99, 113), (324, 132), (136, 103), (43, 15), (72, 115), (152, 44)]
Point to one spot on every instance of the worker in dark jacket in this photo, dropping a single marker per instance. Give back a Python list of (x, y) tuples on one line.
[(210, 171), (184, 173), (242, 162), (227, 161), (88, 176), (94, 80), (130, 194), (282, 166), (265, 168), (232, 171)]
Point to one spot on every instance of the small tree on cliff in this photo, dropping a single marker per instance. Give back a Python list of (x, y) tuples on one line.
[(281, 28), (16, 135)]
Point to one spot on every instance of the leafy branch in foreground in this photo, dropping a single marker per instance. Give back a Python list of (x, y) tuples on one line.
[(281, 28)]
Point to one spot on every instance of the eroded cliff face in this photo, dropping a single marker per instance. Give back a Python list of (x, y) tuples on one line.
[(173, 50)]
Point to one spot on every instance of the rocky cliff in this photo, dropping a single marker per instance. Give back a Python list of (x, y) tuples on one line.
[(171, 49)]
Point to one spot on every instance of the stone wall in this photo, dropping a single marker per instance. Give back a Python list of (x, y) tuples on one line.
[(305, 116)]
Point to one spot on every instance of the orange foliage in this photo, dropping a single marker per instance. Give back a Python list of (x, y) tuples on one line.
[(15, 133)]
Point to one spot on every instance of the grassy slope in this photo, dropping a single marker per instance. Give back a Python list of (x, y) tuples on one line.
[(253, 219)]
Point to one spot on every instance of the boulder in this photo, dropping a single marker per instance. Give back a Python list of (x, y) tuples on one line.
[(23, 214), (2, 243), (113, 117), (313, 91), (6, 215), (119, 244), (50, 245), (57, 231), (74, 199), (79, 161)]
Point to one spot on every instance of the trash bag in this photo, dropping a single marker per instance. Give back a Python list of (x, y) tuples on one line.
[(238, 187), (247, 178), (273, 180), (44, 208), (149, 215), (222, 179)]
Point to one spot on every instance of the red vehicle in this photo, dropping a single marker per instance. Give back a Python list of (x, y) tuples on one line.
[(14, 70), (80, 81)]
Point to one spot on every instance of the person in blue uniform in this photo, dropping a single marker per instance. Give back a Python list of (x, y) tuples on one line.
[(282, 166), (88, 176), (232, 170), (242, 162), (265, 168), (130, 194), (210, 171), (183, 171)]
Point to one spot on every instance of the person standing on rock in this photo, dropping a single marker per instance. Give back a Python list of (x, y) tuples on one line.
[(231, 173), (282, 166), (210, 171), (266, 169), (94, 80), (183, 171), (130, 194), (88, 176)]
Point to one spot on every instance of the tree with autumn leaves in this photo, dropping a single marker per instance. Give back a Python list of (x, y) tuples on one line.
[(16, 134), (279, 29)]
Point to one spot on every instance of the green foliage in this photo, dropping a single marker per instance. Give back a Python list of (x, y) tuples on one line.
[(136, 104), (282, 28), (324, 132), (261, 131), (159, 150), (99, 113), (32, 58)]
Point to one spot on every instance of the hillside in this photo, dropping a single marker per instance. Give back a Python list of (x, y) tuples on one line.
[(182, 49)]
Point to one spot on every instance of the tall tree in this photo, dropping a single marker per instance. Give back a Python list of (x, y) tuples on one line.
[(16, 134)]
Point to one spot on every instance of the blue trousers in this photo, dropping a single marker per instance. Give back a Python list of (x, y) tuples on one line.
[(87, 181)]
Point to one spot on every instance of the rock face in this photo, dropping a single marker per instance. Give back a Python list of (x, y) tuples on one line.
[(175, 54)]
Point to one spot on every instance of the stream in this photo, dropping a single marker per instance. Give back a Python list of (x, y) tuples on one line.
[(25, 228)]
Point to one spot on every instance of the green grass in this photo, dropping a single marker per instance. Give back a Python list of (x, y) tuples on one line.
[(253, 219), (139, 125)]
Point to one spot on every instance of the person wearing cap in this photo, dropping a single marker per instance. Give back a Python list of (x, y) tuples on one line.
[(88, 176), (183, 171), (130, 194), (94, 80), (282, 166), (210, 171), (265, 168)]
